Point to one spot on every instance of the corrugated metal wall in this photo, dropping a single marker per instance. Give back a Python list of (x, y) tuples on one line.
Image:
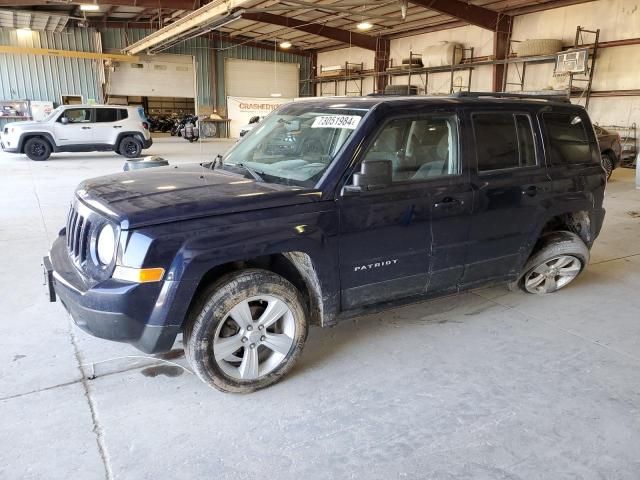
[(37, 77)]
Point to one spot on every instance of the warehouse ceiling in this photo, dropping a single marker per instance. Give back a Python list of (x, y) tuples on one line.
[(26, 19), (285, 20)]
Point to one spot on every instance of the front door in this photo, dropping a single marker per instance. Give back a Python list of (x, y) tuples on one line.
[(410, 237), (79, 127), (510, 188)]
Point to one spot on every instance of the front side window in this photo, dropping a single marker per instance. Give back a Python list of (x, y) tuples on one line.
[(503, 140), (418, 148), (77, 115), (295, 145), (106, 115), (567, 137)]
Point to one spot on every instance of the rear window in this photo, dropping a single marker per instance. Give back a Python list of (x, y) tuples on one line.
[(123, 114), (503, 140), (106, 115), (568, 139)]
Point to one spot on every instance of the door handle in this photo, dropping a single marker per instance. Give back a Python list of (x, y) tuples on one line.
[(531, 190), (448, 202), (117, 126), (86, 128)]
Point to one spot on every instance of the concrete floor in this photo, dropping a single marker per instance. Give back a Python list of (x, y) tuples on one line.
[(486, 385)]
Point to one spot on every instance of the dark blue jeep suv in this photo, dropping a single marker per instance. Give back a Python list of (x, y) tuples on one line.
[(331, 207)]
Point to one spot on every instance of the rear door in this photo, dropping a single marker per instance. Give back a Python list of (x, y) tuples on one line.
[(511, 186), (107, 125), (78, 130)]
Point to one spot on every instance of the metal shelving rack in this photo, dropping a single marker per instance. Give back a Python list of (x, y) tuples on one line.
[(467, 63), (352, 82), (586, 78)]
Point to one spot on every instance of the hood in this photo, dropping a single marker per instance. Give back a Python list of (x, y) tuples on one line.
[(168, 194), (23, 124)]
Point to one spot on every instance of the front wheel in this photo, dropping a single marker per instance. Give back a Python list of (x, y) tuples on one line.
[(37, 149), (246, 332), (560, 259), (130, 147)]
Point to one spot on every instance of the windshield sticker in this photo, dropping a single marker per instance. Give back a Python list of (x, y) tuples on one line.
[(336, 121)]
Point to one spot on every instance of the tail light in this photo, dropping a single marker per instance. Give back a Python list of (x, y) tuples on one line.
[(145, 125)]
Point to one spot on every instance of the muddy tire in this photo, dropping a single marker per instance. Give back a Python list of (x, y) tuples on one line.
[(246, 331), (37, 149), (558, 260)]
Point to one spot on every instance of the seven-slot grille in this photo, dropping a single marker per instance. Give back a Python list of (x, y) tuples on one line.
[(78, 231)]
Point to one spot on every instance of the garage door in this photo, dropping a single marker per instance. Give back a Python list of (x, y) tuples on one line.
[(249, 78), (157, 76)]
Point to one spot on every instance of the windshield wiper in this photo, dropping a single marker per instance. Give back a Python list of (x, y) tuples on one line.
[(256, 175)]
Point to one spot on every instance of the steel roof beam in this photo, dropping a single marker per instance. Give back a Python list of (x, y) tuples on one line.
[(344, 36), (473, 14)]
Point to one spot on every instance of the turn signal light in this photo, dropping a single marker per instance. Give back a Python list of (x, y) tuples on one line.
[(138, 275)]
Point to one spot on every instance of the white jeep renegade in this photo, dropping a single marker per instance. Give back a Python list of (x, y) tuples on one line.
[(80, 128)]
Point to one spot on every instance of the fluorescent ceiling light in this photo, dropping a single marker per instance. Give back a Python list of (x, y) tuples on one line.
[(285, 44), (364, 25), (276, 94), (89, 7)]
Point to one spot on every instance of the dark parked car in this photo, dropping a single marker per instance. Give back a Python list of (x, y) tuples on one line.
[(610, 149), (375, 202)]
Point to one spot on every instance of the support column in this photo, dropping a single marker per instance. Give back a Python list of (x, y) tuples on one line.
[(501, 39), (381, 62)]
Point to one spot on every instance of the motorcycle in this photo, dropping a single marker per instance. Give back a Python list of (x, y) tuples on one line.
[(190, 131)]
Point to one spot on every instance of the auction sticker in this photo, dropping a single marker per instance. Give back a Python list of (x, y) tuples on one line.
[(336, 121)]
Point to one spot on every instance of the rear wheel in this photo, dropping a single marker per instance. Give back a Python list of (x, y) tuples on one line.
[(37, 149), (560, 259), (130, 147), (247, 331), (607, 164)]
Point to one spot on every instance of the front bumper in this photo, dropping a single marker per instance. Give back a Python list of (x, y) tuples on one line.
[(112, 309), (5, 148)]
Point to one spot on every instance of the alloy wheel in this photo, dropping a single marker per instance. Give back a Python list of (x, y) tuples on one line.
[(552, 274), (254, 338)]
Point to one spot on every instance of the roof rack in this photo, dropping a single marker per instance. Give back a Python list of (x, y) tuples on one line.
[(519, 96)]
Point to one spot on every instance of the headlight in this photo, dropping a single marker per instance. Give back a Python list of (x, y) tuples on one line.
[(106, 245)]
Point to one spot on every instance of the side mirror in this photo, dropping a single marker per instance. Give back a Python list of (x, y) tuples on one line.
[(64, 120), (373, 175)]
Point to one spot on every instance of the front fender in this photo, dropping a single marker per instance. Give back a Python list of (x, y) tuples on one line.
[(189, 250)]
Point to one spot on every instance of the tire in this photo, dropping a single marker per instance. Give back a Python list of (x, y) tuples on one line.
[(130, 147), (558, 261), (607, 164), (37, 149), (232, 308)]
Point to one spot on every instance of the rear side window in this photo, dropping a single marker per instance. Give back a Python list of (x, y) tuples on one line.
[(106, 115), (567, 137), (503, 140), (123, 114)]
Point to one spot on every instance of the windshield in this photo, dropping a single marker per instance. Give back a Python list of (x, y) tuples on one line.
[(296, 144), (52, 114)]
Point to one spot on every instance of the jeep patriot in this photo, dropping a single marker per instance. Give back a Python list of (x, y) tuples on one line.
[(330, 208)]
